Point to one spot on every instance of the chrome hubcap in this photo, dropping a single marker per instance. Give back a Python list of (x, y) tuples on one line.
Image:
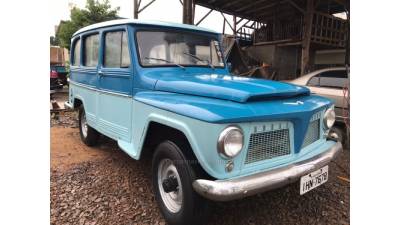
[(84, 125), (169, 185)]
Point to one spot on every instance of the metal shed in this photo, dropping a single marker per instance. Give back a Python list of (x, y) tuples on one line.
[(284, 33)]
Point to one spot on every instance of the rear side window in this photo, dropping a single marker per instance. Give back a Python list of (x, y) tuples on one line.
[(77, 53), (330, 79), (116, 50), (91, 50), (334, 74)]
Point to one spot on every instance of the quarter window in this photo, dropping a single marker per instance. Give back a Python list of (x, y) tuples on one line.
[(77, 53), (116, 50), (314, 81), (91, 50)]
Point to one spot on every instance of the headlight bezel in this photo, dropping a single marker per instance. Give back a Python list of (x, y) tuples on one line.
[(329, 117), (221, 141)]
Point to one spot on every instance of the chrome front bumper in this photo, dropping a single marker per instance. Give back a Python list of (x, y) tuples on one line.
[(226, 190), (68, 105)]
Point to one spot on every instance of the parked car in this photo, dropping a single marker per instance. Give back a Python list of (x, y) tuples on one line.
[(332, 83), (163, 89), (58, 77)]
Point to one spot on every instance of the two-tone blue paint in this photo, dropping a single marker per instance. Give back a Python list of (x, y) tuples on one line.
[(199, 101)]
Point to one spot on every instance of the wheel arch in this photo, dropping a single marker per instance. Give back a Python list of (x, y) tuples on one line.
[(169, 129)]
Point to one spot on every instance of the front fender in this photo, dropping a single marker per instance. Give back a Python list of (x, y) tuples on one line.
[(202, 136)]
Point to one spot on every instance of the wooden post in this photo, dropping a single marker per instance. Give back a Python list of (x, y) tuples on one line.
[(135, 9), (305, 47), (223, 27), (187, 12), (234, 25)]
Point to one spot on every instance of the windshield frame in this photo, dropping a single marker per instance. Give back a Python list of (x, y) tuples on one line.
[(212, 37)]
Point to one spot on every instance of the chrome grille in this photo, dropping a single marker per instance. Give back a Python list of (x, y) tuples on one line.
[(312, 134), (267, 145)]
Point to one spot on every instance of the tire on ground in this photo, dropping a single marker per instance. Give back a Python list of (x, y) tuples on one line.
[(194, 208), (92, 136)]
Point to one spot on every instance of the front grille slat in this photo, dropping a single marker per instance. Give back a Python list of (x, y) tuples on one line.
[(268, 145), (313, 132), (271, 140)]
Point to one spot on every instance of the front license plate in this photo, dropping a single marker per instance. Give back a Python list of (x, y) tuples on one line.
[(313, 180)]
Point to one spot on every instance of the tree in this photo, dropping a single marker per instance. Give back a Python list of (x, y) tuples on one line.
[(94, 12), (54, 41)]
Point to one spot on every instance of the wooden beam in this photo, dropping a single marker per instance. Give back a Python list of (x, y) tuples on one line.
[(261, 8), (249, 5), (248, 21), (231, 3), (296, 6), (223, 27), (205, 16), (187, 12), (305, 50), (147, 5), (227, 22), (135, 9), (234, 25)]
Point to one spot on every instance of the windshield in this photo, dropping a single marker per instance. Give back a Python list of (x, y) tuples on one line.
[(165, 48)]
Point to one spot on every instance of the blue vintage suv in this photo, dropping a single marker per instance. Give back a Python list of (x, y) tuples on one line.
[(164, 89)]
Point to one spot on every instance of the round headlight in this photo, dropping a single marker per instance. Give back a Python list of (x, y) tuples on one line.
[(329, 117), (230, 141)]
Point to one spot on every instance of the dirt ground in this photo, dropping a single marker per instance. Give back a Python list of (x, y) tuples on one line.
[(103, 185)]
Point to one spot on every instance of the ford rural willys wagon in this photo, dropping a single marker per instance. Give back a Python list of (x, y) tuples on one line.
[(164, 89)]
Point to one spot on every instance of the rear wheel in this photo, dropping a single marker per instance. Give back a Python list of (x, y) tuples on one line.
[(89, 136), (172, 177)]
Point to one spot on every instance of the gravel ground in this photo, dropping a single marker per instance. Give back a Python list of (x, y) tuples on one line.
[(103, 185)]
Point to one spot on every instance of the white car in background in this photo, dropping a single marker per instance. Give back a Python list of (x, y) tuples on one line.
[(332, 83)]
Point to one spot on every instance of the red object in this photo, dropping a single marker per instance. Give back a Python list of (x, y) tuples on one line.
[(53, 74)]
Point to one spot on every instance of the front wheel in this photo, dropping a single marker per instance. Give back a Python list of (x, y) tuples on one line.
[(89, 136), (172, 177)]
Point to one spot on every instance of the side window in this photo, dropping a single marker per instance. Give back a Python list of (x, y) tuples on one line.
[(91, 50), (77, 53), (116, 50), (333, 79), (314, 81)]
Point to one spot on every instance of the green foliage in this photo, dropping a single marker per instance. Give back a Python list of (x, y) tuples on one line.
[(94, 12), (67, 67), (54, 41)]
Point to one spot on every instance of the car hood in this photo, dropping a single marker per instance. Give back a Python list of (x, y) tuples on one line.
[(227, 87)]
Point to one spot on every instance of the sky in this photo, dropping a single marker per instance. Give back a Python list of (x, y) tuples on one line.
[(165, 10)]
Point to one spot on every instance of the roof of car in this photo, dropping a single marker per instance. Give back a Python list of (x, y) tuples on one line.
[(143, 22), (303, 79)]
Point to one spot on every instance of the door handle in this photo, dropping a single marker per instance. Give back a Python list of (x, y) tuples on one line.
[(101, 73)]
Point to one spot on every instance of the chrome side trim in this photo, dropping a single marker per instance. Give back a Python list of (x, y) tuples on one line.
[(227, 190), (99, 90), (83, 85)]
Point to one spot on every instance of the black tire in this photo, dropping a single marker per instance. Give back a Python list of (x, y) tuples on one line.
[(193, 209), (92, 136)]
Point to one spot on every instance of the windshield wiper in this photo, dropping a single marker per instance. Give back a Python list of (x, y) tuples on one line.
[(201, 60), (164, 60)]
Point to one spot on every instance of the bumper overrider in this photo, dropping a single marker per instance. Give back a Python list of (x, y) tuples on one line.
[(68, 105), (226, 190)]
